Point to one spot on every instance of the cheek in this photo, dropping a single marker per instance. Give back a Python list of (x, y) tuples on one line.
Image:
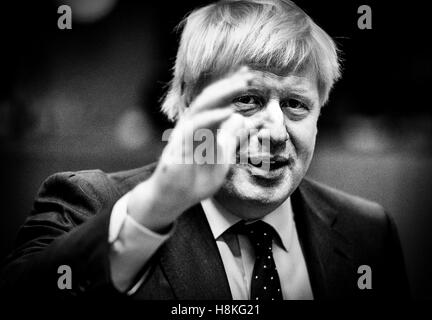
[(303, 136)]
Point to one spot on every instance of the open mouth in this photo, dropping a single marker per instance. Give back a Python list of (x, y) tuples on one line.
[(268, 163)]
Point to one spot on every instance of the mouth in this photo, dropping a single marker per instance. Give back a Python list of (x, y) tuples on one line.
[(262, 165), (271, 163)]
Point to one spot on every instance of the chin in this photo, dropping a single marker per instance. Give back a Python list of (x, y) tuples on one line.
[(258, 189)]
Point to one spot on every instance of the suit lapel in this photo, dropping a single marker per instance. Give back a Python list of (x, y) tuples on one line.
[(328, 253), (191, 260)]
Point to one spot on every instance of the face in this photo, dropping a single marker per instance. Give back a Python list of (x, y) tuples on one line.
[(284, 111)]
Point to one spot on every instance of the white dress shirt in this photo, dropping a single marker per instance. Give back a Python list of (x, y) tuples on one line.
[(132, 245), (238, 255)]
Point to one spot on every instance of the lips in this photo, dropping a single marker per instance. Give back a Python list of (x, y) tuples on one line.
[(269, 162)]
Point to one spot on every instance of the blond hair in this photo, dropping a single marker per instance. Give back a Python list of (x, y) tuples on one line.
[(274, 35)]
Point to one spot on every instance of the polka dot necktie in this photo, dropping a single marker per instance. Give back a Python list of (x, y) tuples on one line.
[(265, 283)]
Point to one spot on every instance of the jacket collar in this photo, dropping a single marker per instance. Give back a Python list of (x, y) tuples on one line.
[(328, 251)]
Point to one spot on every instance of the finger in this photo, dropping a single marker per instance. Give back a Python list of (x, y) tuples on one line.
[(184, 133), (244, 134), (232, 132), (242, 137), (221, 92), (210, 119), (240, 132)]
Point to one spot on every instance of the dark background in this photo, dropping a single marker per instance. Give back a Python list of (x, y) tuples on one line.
[(89, 98)]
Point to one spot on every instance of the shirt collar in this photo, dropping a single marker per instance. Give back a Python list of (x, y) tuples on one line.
[(220, 220)]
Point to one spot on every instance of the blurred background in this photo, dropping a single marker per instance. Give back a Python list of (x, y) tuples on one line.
[(89, 98)]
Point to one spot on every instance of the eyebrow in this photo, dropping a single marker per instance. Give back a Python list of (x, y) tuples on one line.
[(297, 90), (304, 95)]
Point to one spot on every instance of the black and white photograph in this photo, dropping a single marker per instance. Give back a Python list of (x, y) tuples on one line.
[(231, 150)]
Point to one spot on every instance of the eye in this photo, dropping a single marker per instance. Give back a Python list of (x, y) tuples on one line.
[(295, 104), (296, 109), (247, 99), (247, 104)]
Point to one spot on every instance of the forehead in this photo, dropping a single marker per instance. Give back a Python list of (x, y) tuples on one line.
[(303, 83)]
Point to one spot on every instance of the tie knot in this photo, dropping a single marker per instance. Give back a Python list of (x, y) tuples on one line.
[(259, 233)]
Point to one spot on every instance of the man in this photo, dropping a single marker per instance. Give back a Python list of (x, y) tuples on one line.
[(254, 229)]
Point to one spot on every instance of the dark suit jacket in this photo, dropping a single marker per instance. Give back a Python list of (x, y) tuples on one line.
[(69, 226)]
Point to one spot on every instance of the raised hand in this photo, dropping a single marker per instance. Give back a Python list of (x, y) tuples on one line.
[(179, 181)]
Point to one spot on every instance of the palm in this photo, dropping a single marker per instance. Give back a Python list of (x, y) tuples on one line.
[(198, 180), (185, 183)]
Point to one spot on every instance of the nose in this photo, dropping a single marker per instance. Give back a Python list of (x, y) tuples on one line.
[(273, 129)]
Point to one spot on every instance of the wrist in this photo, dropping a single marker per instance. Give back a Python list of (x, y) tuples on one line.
[(152, 207)]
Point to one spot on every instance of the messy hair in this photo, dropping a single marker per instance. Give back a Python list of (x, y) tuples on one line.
[(273, 35)]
